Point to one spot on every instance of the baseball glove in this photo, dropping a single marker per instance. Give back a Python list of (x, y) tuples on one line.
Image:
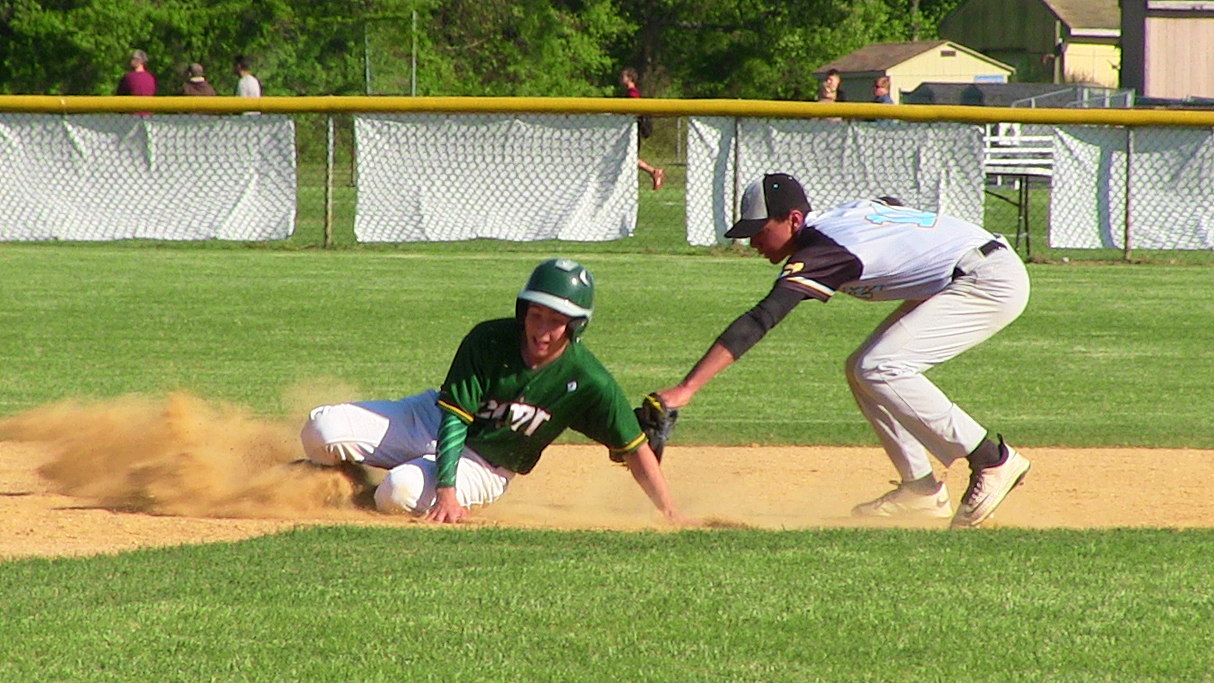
[(657, 421)]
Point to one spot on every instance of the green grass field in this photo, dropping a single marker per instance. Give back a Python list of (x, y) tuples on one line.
[(1105, 355), (343, 604)]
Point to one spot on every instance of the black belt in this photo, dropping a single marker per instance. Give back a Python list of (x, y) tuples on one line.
[(985, 250)]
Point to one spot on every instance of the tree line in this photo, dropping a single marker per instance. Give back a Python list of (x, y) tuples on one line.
[(569, 48)]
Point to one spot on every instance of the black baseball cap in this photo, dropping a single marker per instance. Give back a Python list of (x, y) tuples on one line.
[(775, 194)]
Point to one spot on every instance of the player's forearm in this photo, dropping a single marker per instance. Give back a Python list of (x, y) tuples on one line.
[(750, 327), (647, 472), (716, 359), (452, 434)]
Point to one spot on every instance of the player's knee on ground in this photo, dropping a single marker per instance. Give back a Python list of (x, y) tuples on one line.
[(339, 433), (405, 490)]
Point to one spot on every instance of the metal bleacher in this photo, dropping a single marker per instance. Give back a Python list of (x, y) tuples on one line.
[(1017, 159), (1013, 159)]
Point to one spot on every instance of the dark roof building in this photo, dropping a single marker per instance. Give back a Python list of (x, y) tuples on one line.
[(1047, 41), (910, 63), (1015, 95)]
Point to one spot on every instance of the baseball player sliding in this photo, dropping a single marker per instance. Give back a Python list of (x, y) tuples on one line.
[(958, 284), (515, 384)]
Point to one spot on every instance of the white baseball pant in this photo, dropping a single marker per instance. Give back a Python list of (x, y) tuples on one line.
[(401, 437), (909, 413)]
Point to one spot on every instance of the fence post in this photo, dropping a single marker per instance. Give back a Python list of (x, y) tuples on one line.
[(328, 242), (679, 153), (737, 179), (1129, 154)]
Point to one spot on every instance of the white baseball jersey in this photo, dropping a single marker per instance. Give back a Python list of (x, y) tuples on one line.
[(248, 86), (878, 252)]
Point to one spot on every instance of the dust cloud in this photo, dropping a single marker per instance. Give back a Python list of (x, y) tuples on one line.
[(178, 455), (137, 470)]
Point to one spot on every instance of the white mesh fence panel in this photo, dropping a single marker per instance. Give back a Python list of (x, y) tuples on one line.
[(711, 180), (433, 177), (1171, 180), (110, 177), (935, 166)]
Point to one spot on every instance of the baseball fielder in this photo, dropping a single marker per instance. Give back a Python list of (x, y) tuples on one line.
[(515, 384), (958, 284)]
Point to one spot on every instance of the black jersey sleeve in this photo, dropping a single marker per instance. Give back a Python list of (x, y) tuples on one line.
[(819, 266), (754, 324)]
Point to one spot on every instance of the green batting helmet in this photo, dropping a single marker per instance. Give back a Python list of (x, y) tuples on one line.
[(564, 286)]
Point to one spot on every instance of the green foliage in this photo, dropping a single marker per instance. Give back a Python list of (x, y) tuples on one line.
[(374, 604), (754, 49), (527, 48), (694, 48), (83, 48)]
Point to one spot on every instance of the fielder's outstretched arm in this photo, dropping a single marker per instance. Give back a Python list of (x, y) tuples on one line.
[(714, 361), (737, 339)]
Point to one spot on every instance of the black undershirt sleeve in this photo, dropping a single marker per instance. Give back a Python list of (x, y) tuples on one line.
[(752, 325)]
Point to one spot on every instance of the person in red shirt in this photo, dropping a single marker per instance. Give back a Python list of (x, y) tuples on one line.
[(138, 81), (628, 79)]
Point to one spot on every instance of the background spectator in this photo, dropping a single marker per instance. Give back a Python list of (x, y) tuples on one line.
[(196, 82), (628, 79), (829, 90), (248, 85), (138, 81), (881, 90)]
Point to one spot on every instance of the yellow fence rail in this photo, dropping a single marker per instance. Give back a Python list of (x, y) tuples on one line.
[(577, 105)]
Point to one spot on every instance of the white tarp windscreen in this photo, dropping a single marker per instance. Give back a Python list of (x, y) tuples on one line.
[(1171, 183), (435, 177), (168, 177), (935, 167)]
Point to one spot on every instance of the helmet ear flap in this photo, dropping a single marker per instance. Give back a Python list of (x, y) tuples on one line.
[(575, 328)]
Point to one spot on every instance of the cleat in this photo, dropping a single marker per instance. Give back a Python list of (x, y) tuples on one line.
[(906, 504), (988, 487)]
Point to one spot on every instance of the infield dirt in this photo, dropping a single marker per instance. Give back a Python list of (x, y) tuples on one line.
[(83, 479)]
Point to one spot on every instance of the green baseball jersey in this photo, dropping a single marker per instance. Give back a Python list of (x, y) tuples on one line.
[(514, 412)]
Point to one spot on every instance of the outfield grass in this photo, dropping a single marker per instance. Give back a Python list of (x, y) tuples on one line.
[(1104, 355), (493, 605)]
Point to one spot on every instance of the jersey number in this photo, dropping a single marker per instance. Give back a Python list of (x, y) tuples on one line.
[(902, 215)]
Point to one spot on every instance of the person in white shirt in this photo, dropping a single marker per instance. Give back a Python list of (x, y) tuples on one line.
[(958, 285), (248, 85)]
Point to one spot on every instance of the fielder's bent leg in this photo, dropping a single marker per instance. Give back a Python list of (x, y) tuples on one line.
[(905, 451)]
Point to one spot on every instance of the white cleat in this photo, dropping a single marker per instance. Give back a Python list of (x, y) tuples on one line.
[(988, 487), (906, 504)]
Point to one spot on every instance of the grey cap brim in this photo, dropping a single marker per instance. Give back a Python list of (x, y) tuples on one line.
[(747, 227)]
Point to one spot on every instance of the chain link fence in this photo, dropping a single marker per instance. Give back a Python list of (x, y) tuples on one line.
[(434, 177), (1049, 213), (937, 167), (1081, 191), (110, 177), (1133, 188)]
